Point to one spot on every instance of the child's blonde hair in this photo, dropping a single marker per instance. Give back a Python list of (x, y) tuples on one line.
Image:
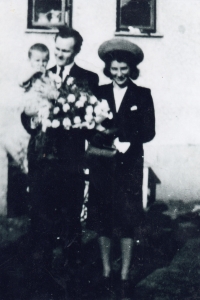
[(39, 47)]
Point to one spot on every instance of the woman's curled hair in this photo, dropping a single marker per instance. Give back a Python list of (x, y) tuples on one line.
[(121, 56)]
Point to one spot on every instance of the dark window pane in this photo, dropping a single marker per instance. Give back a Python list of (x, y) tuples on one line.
[(46, 5), (48, 11), (135, 13), (49, 14)]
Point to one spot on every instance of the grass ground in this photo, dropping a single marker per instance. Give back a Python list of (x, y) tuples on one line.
[(166, 262)]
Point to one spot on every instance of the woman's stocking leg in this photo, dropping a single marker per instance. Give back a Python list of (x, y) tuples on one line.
[(126, 249), (105, 246)]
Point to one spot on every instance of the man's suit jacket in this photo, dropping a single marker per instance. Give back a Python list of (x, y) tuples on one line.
[(135, 119), (83, 76)]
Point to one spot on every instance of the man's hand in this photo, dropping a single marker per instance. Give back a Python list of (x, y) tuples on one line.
[(121, 146)]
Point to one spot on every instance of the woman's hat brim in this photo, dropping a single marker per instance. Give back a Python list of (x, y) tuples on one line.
[(120, 45)]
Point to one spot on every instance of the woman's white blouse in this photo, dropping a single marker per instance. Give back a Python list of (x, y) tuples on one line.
[(118, 95)]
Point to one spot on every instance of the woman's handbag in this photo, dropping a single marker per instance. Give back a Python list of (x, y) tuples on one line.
[(104, 151), (101, 146)]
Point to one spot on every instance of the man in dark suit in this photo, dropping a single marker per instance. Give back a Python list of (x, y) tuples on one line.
[(57, 184)]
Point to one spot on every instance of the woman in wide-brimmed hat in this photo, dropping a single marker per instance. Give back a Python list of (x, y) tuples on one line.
[(115, 203)]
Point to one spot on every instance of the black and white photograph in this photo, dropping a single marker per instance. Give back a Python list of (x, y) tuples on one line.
[(100, 150)]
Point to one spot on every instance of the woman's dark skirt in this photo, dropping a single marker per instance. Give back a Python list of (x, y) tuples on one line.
[(115, 196)]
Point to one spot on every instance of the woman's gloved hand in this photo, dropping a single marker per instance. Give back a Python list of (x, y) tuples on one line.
[(122, 147)]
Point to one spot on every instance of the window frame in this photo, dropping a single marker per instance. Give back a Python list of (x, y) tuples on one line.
[(32, 25), (143, 29)]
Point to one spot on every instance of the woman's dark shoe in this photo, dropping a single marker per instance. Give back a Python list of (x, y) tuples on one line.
[(125, 290)]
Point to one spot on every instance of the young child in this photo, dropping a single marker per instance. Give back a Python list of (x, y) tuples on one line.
[(38, 83), (32, 79), (38, 55)]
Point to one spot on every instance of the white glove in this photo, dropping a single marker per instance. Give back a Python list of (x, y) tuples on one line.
[(121, 146)]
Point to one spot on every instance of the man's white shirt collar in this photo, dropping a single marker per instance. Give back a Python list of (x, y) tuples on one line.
[(66, 70)]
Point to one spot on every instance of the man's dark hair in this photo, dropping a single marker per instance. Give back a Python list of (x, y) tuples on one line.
[(121, 56), (66, 32), (39, 47)]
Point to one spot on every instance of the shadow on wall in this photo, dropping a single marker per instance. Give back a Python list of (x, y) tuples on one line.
[(17, 191), (13, 149), (150, 181)]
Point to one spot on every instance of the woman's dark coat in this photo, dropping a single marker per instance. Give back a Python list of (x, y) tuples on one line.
[(121, 180)]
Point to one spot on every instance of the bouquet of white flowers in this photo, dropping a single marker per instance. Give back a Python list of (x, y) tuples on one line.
[(70, 106), (75, 107)]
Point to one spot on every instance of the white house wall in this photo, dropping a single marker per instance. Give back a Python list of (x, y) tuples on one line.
[(171, 69)]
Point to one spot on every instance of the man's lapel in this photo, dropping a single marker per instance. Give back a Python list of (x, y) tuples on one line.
[(74, 71)]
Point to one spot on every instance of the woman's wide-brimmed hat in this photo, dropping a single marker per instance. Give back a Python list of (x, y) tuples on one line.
[(120, 45)]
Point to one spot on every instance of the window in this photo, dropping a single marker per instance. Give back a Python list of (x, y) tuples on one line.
[(49, 14), (136, 14)]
